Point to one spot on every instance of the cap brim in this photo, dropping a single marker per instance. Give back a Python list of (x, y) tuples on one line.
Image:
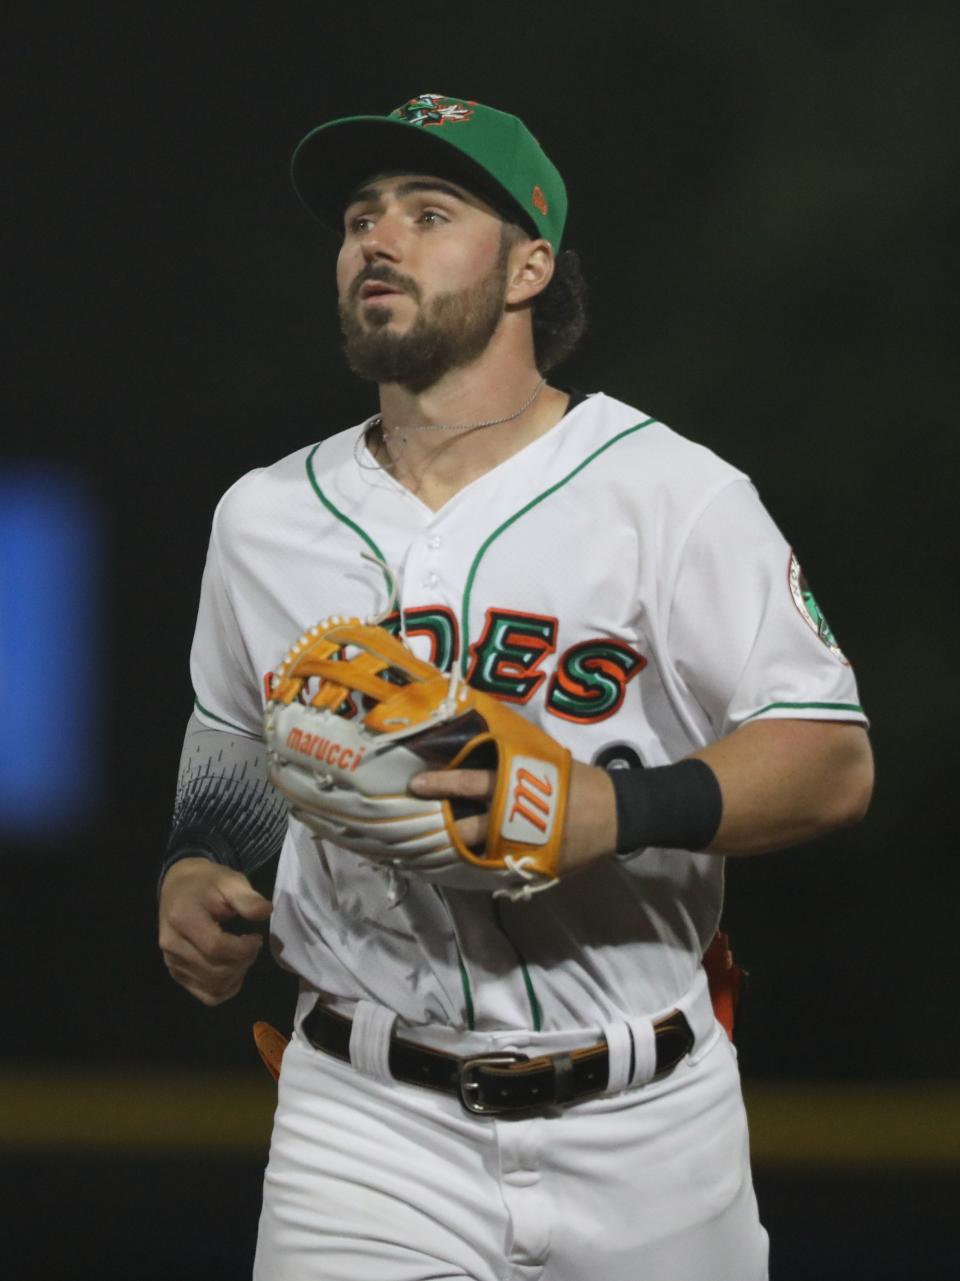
[(332, 162)]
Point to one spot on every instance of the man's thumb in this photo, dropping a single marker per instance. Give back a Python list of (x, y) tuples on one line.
[(243, 900)]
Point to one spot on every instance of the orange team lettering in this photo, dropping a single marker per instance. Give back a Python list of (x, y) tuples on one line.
[(524, 798)]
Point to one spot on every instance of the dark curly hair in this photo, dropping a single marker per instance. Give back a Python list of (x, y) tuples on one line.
[(560, 312)]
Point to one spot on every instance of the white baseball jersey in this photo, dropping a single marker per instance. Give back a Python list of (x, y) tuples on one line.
[(619, 585)]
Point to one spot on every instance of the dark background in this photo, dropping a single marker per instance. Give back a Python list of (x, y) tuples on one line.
[(765, 198)]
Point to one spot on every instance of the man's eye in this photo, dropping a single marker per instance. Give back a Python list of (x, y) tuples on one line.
[(360, 224), (432, 217)]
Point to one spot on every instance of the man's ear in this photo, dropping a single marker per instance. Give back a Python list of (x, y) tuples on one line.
[(530, 269)]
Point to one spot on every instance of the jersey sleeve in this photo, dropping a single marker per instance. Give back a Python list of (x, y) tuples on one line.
[(225, 681), (745, 634)]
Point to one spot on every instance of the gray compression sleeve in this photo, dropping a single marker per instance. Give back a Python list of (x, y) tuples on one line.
[(226, 808)]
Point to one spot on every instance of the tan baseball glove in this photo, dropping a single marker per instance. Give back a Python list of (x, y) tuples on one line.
[(353, 715)]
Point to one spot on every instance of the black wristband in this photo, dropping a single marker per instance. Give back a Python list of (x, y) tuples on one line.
[(671, 806)]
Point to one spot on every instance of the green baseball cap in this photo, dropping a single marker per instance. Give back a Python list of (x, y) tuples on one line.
[(487, 151)]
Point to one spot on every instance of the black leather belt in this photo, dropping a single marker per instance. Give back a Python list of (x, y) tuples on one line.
[(500, 1082)]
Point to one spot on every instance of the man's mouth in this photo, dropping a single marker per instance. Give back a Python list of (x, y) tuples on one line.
[(375, 289)]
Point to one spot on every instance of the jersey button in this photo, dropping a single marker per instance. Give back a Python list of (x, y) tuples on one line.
[(431, 580), (434, 541)]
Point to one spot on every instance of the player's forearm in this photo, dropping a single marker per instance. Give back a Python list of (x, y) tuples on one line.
[(227, 811), (784, 782), (769, 785)]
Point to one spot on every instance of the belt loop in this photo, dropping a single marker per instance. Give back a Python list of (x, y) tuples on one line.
[(370, 1040), (697, 1009), (619, 1055), (644, 1051), (564, 1088)]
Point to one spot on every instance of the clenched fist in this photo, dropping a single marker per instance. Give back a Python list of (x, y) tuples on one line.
[(197, 900)]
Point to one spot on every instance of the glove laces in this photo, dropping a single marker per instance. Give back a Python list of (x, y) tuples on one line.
[(393, 590), (534, 883)]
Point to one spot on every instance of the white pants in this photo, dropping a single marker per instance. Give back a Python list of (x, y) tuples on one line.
[(374, 1181)]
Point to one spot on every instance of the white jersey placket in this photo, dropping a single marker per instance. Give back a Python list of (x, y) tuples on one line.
[(432, 574)]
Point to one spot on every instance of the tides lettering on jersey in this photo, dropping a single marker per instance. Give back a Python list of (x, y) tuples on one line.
[(437, 623), (591, 679), (507, 656), (589, 682)]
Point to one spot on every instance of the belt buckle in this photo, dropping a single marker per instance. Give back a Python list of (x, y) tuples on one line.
[(467, 1084)]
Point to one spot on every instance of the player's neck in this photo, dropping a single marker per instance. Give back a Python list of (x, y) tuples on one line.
[(436, 464)]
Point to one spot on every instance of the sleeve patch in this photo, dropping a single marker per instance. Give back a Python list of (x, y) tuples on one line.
[(810, 611)]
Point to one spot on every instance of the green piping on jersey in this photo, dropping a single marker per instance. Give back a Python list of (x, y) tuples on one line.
[(535, 1007), (464, 976), (467, 994), (350, 524), (830, 707), (219, 719), (465, 613), (536, 1010)]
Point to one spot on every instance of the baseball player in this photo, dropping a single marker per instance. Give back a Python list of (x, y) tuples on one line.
[(502, 1085)]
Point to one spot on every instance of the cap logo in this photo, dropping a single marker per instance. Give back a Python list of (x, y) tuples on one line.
[(539, 201), (433, 109)]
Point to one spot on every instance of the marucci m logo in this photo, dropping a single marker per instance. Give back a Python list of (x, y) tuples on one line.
[(526, 802), (531, 801)]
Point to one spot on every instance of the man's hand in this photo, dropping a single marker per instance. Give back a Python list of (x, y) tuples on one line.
[(783, 782), (590, 831), (197, 899)]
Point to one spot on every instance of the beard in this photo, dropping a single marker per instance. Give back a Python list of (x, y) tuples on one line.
[(450, 331)]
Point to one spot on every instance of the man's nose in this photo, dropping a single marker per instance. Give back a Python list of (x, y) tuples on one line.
[(383, 240)]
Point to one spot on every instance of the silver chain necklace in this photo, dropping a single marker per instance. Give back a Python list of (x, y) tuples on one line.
[(376, 422)]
